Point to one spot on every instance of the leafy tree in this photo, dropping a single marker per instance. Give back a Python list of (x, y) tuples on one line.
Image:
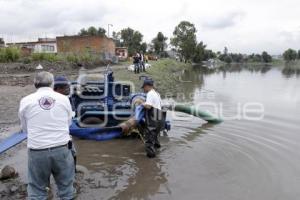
[(143, 47), (231, 57), (222, 57), (159, 43), (266, 57), (227, 59), (184, 39), (298, 56), (117, 38), (290, 55), (83, 32), (255, 58), (209, 54), (202, 54), (132, 39), (92, 31), (199, 54), (237, 57), (101, 31)]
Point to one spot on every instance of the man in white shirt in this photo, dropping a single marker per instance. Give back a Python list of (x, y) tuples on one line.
[(46, 116), (153, 118)]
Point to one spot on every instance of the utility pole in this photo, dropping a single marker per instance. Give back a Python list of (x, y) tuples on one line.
[(108, 25)]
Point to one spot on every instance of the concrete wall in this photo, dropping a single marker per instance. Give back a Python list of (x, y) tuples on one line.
[(85, 44), (45, 47)]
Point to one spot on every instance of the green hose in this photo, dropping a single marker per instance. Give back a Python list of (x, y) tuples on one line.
[(192, 110)]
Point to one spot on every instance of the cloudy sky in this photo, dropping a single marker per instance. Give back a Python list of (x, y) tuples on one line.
[(242, 25)]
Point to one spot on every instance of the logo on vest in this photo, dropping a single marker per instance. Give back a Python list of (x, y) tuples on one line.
[(46, 103)]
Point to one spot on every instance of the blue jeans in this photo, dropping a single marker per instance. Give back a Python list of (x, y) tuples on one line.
[(136, 68), (41, 164)]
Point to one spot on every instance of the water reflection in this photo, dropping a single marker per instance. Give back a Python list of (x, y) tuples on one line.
[(195, 133), (262, 68), (146, 182), (289, 70), (120, 170)]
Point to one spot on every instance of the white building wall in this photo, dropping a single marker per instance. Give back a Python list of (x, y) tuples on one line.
[(45, 48)]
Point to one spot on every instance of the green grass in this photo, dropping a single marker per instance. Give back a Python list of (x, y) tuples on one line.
[(50, 57), (165, 73)]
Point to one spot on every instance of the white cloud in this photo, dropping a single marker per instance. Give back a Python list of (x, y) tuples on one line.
[(225, 20), (243, 25)]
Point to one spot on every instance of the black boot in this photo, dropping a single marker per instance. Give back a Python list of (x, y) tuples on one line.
[(150, 151), (157, 145)]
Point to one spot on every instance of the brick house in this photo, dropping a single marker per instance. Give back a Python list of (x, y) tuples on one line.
[(86, 44)]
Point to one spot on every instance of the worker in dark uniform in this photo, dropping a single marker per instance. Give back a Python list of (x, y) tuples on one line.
[(136, 63), (153, 118), (62, 86)]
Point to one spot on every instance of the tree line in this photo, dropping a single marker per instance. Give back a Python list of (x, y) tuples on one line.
[(184, 43)]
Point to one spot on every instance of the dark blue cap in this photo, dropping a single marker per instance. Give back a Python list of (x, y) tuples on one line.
[(60, 81), (147, 82)]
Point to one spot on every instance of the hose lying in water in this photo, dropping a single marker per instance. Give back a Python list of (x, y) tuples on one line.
[(192, 110)]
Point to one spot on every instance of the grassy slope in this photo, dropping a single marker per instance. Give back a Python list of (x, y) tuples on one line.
[(164, 72)]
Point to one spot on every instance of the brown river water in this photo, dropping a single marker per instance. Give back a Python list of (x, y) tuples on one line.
[(251, 155)]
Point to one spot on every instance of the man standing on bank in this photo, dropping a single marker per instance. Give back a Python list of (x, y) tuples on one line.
[(153, 118), (46, 116)]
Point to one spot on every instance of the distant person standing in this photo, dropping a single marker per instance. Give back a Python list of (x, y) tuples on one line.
[(136, 63), (153, 118), (146, 58), (46, 116), (142, 62)]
